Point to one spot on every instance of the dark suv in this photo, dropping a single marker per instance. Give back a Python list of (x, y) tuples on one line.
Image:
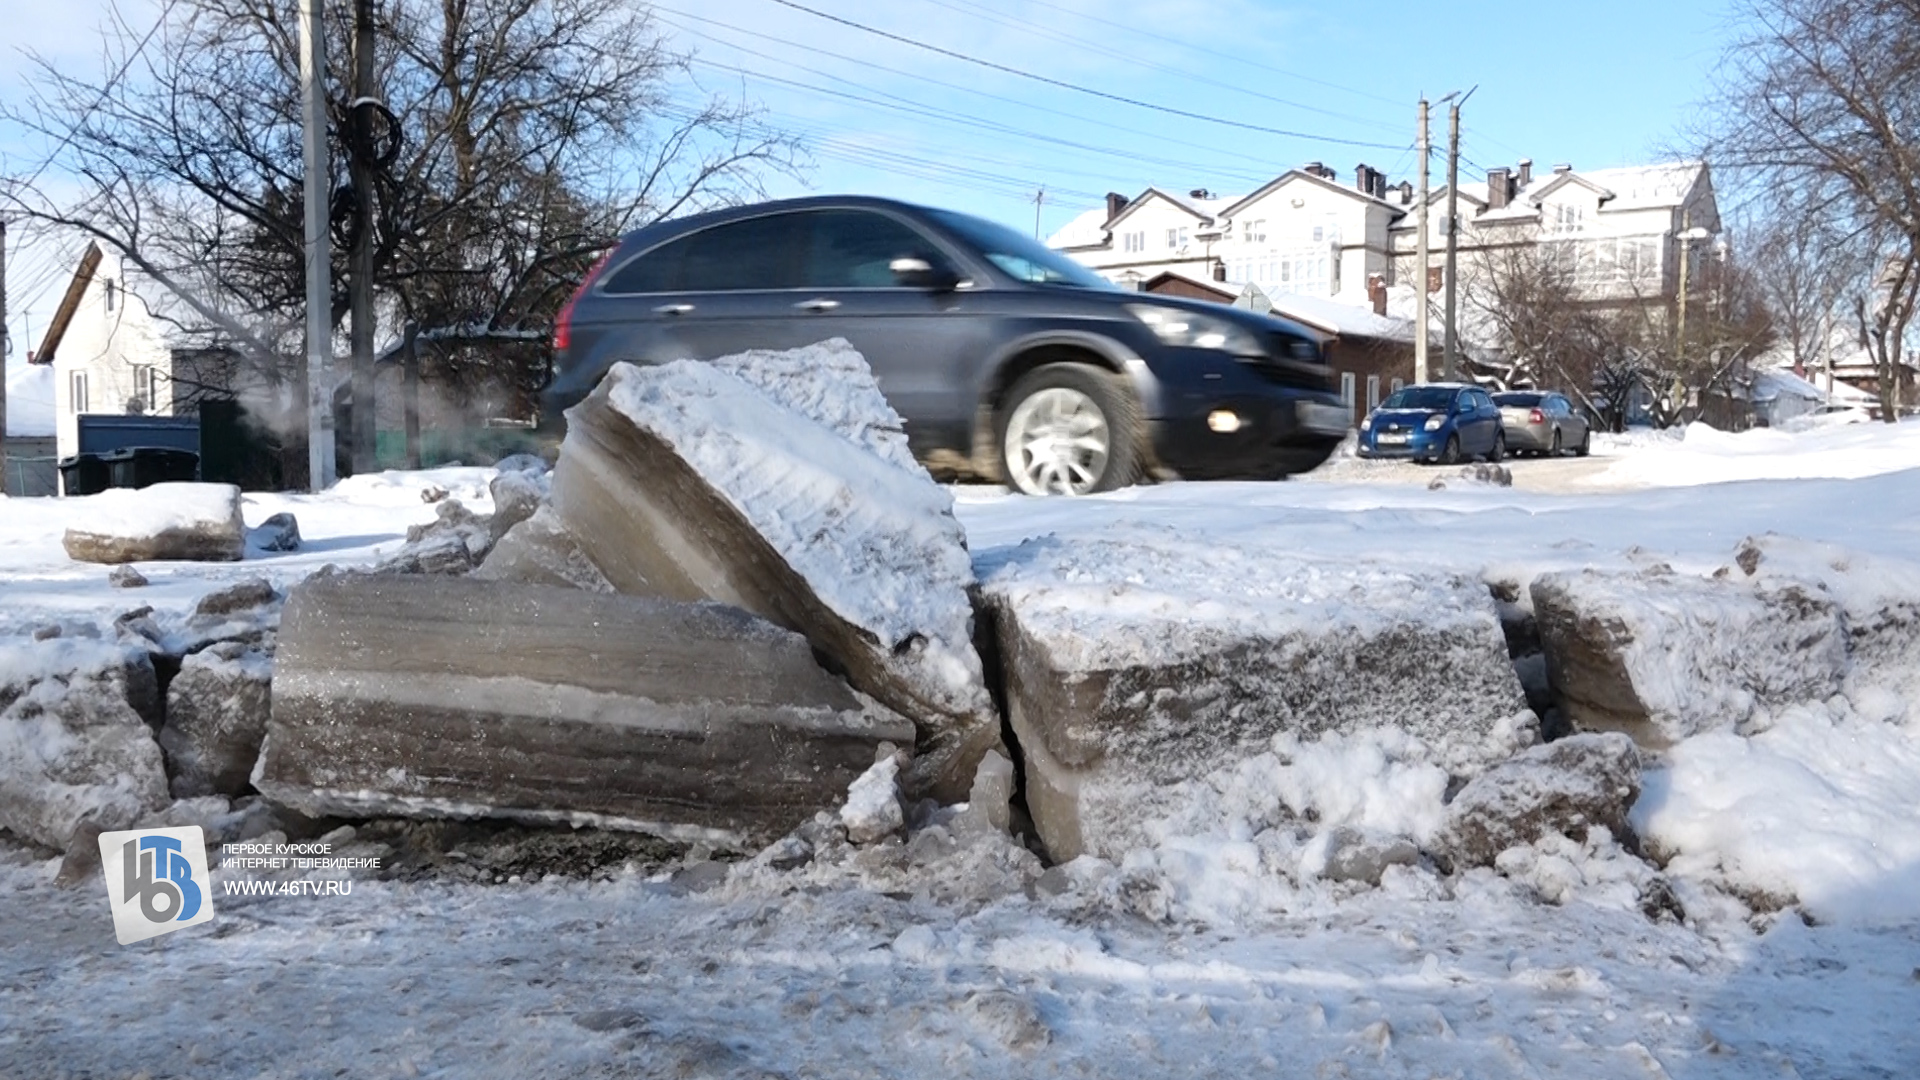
[(1006, 359)]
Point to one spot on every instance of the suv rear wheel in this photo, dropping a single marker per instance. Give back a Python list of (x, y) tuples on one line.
[(1069, 429)]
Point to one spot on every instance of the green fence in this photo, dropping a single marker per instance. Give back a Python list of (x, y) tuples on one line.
[(469, 446)]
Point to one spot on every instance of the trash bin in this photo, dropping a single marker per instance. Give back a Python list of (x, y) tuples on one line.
[(83, 474), (143, 466)]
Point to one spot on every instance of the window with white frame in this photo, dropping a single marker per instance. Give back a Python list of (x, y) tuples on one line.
[(1346, 389), (1134, 241), (1177, 238), (111, 290), (1397, 384), (1373, 391), (1254, 231), (77, 392), (143, 387), (1567, 218)]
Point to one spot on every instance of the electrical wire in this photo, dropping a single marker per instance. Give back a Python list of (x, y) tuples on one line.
[(1250, 175), (1062, 84), (982, 12)]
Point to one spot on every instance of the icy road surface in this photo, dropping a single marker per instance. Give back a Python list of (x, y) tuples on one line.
[(880, 971)]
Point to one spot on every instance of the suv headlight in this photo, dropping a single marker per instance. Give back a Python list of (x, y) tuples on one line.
[(1178, 326), (1366, 423), (1434, 422)]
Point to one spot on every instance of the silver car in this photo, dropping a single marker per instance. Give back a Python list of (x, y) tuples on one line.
[(1542, 422)]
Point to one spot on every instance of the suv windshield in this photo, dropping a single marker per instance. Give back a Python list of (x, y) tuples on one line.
[(1433, 398), (1018, 256)]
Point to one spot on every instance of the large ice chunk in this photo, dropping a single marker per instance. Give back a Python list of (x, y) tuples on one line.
[(217, 709), (459, 697), (165, 521), (1137, 663), (72, 747), (780, 483)]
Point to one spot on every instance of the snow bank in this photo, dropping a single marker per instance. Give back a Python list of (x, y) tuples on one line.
[(1709, 456), (179, 521), (1819, 808), (830, 384)]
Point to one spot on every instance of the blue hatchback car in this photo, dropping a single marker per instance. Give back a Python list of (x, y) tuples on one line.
[(1443, 422)]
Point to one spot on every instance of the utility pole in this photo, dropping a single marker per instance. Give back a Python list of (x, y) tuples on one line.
[(1421, 255), (360, 259), (1038, 198), (1680, 336), (6, 351), (1450, 360), (313, 116)]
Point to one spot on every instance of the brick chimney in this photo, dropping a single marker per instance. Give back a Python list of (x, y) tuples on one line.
[(1377, 293), (1499, 188), (1363, 178), (1315, 168), (1526, 171), (1406, 192), (1116, 202)]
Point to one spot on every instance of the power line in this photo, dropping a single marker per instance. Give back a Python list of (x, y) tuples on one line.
[(926, 112), (1073, 39), (1121, 98), (1251, 176), (1241, 60)]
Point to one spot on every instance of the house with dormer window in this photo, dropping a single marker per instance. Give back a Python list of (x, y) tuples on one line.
[(1304, 232), (106, 349)]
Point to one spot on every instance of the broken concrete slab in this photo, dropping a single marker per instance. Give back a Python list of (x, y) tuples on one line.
[(186, 521), (73, 748), (1566, 787), (279, 532), (1661, 656), (240, 596), (540, 551), (217, 712), (1135, 664), (452, 697), (689, 482)]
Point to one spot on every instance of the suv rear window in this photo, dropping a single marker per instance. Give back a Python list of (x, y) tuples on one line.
[(758, 253), (1524, 401)]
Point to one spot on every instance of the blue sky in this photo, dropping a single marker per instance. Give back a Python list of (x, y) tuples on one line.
[(1593, 85)]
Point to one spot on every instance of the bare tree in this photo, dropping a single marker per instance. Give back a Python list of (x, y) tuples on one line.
[(514, 140), (1547, 333), (1804, 272), (1824, 95)]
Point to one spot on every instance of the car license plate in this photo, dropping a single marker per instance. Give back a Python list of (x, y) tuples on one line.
[(1391, 438), (1327, 419)]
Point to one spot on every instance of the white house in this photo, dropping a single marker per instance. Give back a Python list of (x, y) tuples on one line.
[(1303, 233), (1622, 232), (106, 351)]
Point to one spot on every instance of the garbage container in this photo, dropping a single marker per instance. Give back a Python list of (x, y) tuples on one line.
[(83, 474), (142, 466)]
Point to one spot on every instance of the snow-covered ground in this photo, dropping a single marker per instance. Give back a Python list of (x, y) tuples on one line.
[(1205, 954)]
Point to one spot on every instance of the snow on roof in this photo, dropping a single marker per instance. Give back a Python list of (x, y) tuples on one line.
[(1768, 385), (1334, 317), (1085, 230), (1647, 186), (30, 401)]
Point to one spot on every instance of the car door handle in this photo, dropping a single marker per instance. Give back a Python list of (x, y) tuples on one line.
[(817, 305), (673, 309)]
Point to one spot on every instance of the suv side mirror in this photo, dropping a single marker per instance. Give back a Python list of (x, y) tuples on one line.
[(917, 272)]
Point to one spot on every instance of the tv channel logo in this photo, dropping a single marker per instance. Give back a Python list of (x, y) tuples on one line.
[(156, 881)]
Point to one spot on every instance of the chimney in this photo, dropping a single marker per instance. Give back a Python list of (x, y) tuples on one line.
[(1499, 188), (1363, 178), (1199, 193), (1379, 184), (1406, 192), (1314, 168), (1219, 270), (1377, 293), (1526, 171), (1116, 202), (1563, 167)]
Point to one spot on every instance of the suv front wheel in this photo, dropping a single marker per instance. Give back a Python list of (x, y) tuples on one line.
[(1069, 429)]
